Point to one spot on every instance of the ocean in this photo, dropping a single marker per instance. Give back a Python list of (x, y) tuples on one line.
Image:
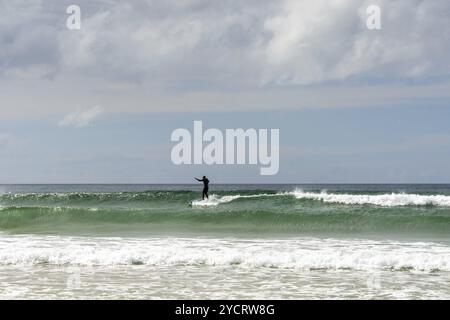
[(246, 242)]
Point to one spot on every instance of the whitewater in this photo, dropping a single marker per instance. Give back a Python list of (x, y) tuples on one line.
[(301, 253), (387, 200)]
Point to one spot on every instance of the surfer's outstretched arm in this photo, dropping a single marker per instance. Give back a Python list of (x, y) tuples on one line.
[(198, 179)]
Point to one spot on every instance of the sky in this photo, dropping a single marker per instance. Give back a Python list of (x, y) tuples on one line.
[(99, 104)]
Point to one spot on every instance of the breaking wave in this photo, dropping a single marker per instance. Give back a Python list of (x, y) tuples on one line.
[(306, 253), (387, 200)]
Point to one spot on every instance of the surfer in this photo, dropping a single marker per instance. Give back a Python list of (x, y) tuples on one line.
[(205, 187)]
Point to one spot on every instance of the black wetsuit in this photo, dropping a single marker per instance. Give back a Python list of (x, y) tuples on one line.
[(205, 187)]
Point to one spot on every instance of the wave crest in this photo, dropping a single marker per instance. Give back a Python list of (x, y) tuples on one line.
[(170, 197), (386, 200)]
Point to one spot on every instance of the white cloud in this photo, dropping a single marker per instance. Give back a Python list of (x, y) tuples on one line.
[(294, 42), (318, 41), (215, 43), (166, 50), (81, 118)]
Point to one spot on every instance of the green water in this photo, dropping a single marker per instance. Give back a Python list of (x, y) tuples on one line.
[(246, 241)]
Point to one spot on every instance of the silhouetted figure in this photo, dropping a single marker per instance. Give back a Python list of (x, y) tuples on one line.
[(205, 187)]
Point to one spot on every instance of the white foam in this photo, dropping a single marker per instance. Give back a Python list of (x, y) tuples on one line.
[(215, 200), (304, 253), (388, 200)]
